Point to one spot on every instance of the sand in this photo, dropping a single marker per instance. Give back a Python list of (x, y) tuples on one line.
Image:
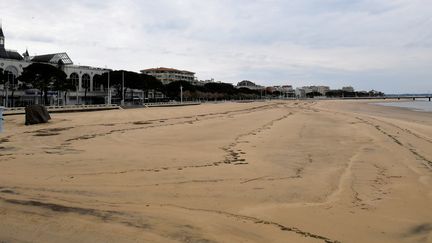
[(279, 171)]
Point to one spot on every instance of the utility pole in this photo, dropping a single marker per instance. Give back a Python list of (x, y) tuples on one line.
[(109, 90), (7, 91), (76, 86), (181, 94), (123, 91)]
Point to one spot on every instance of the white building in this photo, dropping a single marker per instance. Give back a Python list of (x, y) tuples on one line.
[(300, 93), (13, 64), (168, 75), (320, 89)]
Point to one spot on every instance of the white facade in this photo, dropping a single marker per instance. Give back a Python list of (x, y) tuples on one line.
[(300, 92), (168, 75), (13, 63), (16, 67)]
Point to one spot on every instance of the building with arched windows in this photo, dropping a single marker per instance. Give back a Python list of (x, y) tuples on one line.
[(13, 64)]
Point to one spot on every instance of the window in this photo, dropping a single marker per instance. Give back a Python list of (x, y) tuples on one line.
[(75, 79), (85, 80)]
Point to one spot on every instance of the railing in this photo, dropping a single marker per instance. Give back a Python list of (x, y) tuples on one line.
[(389, 97), (172, 103), (65, 108)]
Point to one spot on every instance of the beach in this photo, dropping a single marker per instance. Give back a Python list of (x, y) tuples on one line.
[(274, 171)]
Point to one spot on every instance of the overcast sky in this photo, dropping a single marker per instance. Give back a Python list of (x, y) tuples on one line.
[(369, 44)]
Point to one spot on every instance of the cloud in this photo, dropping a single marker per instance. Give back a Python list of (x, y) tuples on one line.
[(334, 42)]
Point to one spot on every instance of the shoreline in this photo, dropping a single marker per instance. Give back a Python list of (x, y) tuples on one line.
[(409, 105)]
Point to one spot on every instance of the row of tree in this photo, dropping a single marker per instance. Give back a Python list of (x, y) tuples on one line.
[(345, 94)]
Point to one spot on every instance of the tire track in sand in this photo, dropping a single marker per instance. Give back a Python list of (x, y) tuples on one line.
[(426, 162)]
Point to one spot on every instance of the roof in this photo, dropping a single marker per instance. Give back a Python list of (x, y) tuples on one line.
[(6, 54), (53, 58), (166, 69), (1, 32)]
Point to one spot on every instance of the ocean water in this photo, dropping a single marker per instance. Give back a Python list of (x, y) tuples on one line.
[(418, 105)]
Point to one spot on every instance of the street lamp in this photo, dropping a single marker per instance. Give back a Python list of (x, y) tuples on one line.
[(181, 94), (109, 90), (7, 90), (123, 91)]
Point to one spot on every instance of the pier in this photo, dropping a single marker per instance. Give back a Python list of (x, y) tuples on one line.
[(429, 97)]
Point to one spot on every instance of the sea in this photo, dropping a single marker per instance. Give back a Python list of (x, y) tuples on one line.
[(423, 105)]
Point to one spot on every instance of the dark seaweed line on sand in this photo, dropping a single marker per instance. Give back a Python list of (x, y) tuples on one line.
[(100, 214), (257, 221), (110, 216)]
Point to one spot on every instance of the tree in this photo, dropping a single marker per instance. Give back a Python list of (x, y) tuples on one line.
[(132, 81), (85, 82), (173, 89), (7, 79), (334, 93), (313, 94), (42, 77), (65, 87), (2, 80), (13, 85)]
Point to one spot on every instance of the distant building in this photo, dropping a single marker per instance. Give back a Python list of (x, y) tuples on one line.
[(168, 75), (204, 82), (13, 64), (348, 89), (284, 90), (320, 89), (287, 88), (300, 92), (249, 85)]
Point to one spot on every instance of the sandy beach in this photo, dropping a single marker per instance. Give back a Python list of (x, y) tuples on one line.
[(276, 171)]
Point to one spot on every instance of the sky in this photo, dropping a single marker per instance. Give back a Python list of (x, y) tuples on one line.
[(384, 45)]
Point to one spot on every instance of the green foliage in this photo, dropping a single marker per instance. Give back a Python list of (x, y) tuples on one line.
[(132, 80), (173, 89), (43, 77), (313, 94)]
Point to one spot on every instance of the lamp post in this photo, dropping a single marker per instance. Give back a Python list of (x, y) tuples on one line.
[(109, 90), (7, 91), (123, 91), (76, 93), (181, 94)]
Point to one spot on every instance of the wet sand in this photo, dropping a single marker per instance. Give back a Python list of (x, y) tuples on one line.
[(294, 171)]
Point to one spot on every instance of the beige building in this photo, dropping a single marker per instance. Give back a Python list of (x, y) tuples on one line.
[(168, 75)]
